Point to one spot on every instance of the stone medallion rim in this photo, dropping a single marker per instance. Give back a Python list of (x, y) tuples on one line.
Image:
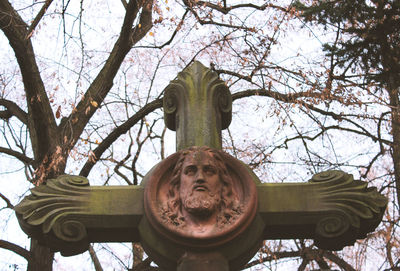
[(152, 204)]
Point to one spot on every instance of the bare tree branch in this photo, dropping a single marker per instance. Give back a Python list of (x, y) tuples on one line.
[(13, 110), (8, 202), (307, 254), (42, 125), (303, 265), (144, 266), (120, 130), (190, 4), (150, 107), (16, 249), (95, 259), (38, 17), (20, 156), (226, 9), (73, 125), (5, 114), (168, 42), (137, 254), (274, 256), (337, 260), (294, 98), (124, 3)]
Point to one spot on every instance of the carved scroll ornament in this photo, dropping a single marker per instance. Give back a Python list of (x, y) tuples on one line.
[(332, 208), (50, 213), (355, 209), (197, 105)]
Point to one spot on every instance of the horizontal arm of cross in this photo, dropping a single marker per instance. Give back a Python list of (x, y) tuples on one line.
[(67, 214), (333, 209)]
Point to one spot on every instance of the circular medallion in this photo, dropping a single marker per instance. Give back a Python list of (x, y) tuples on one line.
[(200, 197)]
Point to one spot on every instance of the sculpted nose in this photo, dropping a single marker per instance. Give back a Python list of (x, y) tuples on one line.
[(200, 177)]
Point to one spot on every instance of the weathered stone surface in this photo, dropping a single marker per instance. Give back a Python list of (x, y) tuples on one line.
[(197, 105), (66, 214), (197, 261), (200, 197), (332, 208), (167, 253), (200, 203), (181, 216)]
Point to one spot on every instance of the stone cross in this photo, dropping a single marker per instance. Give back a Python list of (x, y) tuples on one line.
[(200, 208)]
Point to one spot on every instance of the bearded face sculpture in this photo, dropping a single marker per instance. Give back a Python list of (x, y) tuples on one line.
[(200, 185), (201, 195)]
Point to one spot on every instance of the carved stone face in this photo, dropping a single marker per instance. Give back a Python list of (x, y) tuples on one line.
[(200, 197), (200, 185)]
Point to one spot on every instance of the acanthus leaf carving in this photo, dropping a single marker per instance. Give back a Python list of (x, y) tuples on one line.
[(352, 209), (50, 213), (197, 89)]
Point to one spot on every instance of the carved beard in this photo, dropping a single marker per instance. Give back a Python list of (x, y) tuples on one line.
[(202, 204)]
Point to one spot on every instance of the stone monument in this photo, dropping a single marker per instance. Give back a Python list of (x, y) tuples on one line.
[(200, 208)]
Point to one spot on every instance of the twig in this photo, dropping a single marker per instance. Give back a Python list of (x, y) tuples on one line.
[(9, 204), (38, 18)]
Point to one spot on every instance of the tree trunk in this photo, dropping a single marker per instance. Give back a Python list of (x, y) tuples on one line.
[(395, 114), (42, 258)]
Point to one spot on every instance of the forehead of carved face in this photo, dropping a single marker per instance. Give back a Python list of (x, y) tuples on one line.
[(200, 174)]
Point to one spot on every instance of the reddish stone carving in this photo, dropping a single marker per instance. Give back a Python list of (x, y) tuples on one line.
[(200, 197)]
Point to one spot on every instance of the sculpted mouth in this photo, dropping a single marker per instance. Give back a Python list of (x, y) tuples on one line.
[(200, 187)]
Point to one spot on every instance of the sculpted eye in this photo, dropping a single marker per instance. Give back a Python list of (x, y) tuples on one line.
[(190, 170), (210, 170)]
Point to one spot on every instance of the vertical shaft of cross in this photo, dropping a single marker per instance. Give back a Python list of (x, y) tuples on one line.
[(197, 105), (203, 261)]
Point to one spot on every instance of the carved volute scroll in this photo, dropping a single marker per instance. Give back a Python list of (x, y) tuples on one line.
[(332, 208), (197, 105), (66, 214), (355, 209), (50, 213)]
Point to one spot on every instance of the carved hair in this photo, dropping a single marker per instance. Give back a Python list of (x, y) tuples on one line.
[(229, 207)]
